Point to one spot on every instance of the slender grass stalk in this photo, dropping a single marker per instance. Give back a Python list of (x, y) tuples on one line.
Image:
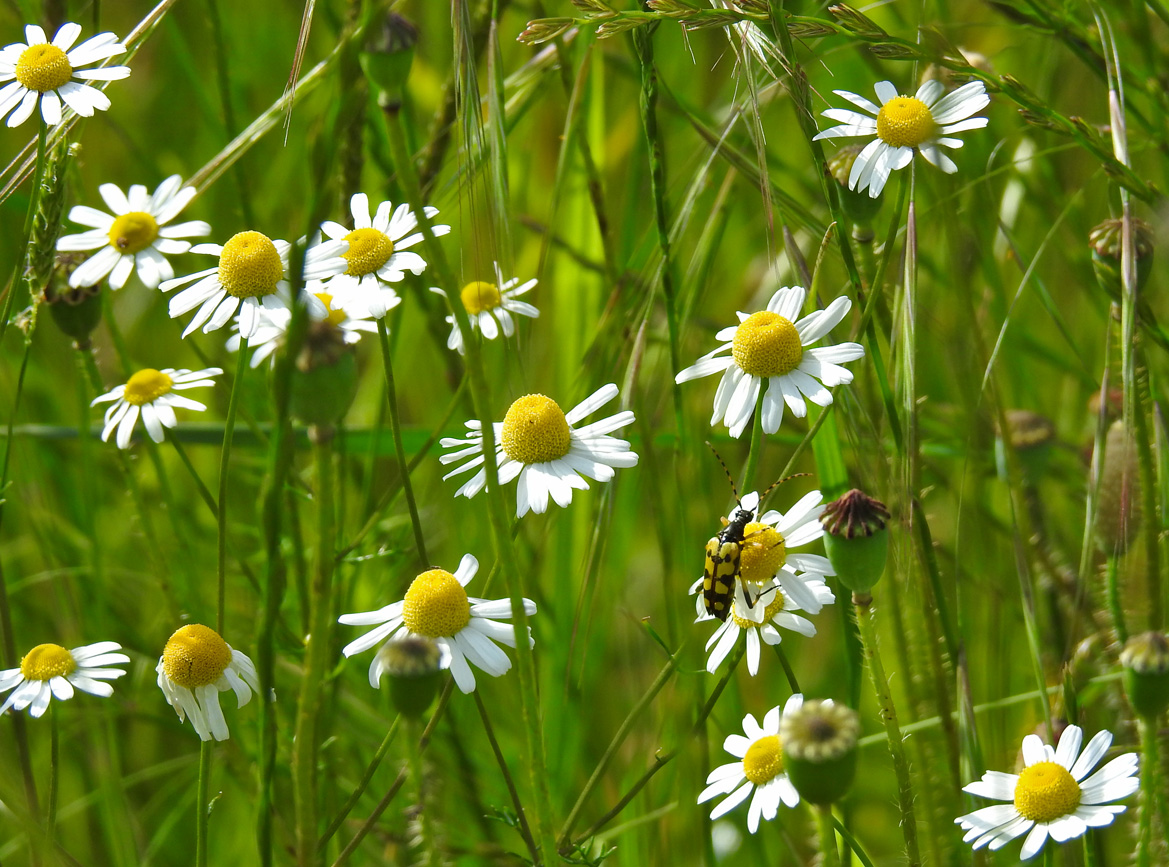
[(54, 775), (788, 671), (203, 804), (748, 479), (204, 493), (825, 826), (513, 793), (865, 620), (425, 836), (852, 843), (399, 449), (221, 500), (361, 787), (304, 761)]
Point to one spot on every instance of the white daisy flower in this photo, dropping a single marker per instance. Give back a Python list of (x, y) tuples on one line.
[(197, 665), (905, 124), (150, 393), (1051, 798), (134, 235), (378, 254), (349, 316), (759, 770), (50, 670), (771, 346), (490, 307), (252, 274), (51, 73), (437, 606), (537, 443)]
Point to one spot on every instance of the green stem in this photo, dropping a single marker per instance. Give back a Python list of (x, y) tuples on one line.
[(425, 840), (517, 804), (204, 492), (202, 813), (855, 846), (54, 774), (34, 203), (756, 447), (356, 794), (827, 831), (787, 669), (399, 449), (221, 514), (1148, 494), (868, 634), (304, 761)]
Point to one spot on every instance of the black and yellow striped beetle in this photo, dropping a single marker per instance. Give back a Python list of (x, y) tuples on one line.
[(720, 571)]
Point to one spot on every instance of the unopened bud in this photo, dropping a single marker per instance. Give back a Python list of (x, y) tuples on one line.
[(1118, 508), (1030, 435), (1106, 241), (819, 749), (77, 312), (414, 665), (389, 52), (861, 208), (855, 539), (324, 379), (1146, 673)]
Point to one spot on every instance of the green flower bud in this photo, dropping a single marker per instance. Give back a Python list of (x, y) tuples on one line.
[(1030, 435), (77, 312), (1146, 673), (1106, 244), (414, 665), (324, 380), (1118, 505), (856, 540), (388, 53), (861, 208), (819, 749)]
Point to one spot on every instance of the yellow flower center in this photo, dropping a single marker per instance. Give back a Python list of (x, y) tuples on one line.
[(436, 605), (146, 386), (195, 656), (773, 607), (761, 554), (46, 661), (764, 760), (369, 249), (535, 430), (250, 265), (479, 296), (766, 344), (43, 67), (133, 232), (905, 122), (1045, 792), (333, 316)]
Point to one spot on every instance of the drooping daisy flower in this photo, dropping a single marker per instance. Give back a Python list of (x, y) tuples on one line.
[(905, 124), (771, 346), (135, 234), (350, 317), (51, 73), (537, 443), (378, 254), (197, 665), (252, 273), (50, 670), (489, 307), (150, 393), (759, 769), (1051, 798), (437, 606)]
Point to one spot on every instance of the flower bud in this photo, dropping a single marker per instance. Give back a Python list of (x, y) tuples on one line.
[(1146, 673), (819, 749), (1030, 435), (77, 312), (389, 52), (861, 208), (414, 665), (324, 379), (856, 540), (1106, 245), (1118, 506)]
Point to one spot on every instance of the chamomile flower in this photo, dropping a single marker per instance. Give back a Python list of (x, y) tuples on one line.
[(770, 347), (903, 125), (252, 274), (537, 443), (349, 317), (50, 670), (134, 235), (437, 606), (490, 307), (151, 394), (378, 254), (196, 665), (758, 772), (1051, 797), (50, 73)]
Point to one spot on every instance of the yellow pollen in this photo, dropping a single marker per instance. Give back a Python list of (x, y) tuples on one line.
[(1045, 792), (479, 296), (905, 122), (334, 316), (250, 265), (764, 760), (761, 554), (436, 605), (133, 232), (773, 607), (766, 344), (146, 386), (369, 249), (43, 67), (535, 430), (195, 656), (46, 661)]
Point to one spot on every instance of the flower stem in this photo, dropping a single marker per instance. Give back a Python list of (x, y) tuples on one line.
[(54, 774), (525, 831), (221, 514), (868, 635), (827, 830), (356, 794), (399, 449), (756, 447), (425, 841), (202, 813)]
